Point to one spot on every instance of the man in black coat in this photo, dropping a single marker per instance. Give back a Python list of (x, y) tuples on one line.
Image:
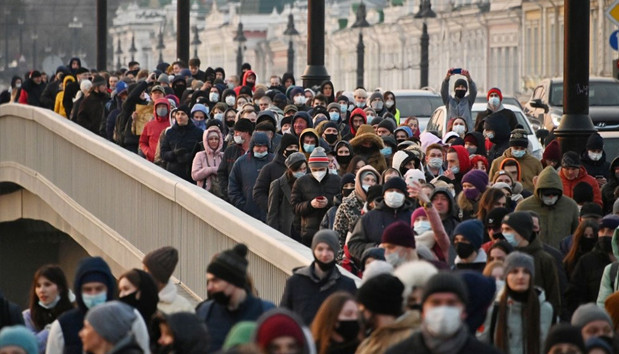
[(177, 144), (90, 114)]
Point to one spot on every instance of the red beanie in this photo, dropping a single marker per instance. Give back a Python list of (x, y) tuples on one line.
[(276, 326), (417, 213), (552, 151), (399, 233), (495, 90)]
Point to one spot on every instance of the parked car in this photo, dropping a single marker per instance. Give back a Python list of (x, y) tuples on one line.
[(438, 125), (547, 103), (418, 103)]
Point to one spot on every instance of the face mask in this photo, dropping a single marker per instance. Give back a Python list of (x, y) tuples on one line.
[(370, 119), (605, 244), (489, 134), (221, 298), (389, 103), (460, 93), (230, 100), (230, 123), (343, 107), (594, 156), (213, 97), (394, 200), (319, 175), (360, 104), (93, 300), (309, 148), (331, 138), (464, 250), (51, 305), (455, 169), (260, 155), (459, 129), (494, 102), (587, 243), (325, 267), (130, 299), (550, 201), (386, 151), (298, 174), (436, 162), (288, 152), (299, 100), (443, 321), (219, 116), (421, 226), (377, 105), (17, 85), (343, 160), (518, 153), (162, 112), (394, 259), (471, 149), (238, 140), (286, 131), (511, 239), (346, 191), (230, 85), (349, 330), (333, 171), (200, 124), (471, 193), (334, 116), (365, 187)]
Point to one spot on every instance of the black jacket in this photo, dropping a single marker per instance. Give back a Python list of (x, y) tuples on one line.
[(608, 191), (176, 147), (232, 153), (415, 344), (585, 281), (504, 113), (269, 173), (90, 114)]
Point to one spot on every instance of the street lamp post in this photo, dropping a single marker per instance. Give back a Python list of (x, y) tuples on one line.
[(290, 32), (315, 72), (20, 22), (118, 53), (425, 11), (75, 25), (102, 34), (133, 49), (34, 50), (182, 30), (6, 39), (196, 41), (160, 45), (360, 24), (240, 39)]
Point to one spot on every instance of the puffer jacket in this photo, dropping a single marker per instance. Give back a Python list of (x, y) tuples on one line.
[(599, 167), (557, 220), (369, 229), (515, 336), (149, 139), (206, 162), (609, 285), (583, 176), (529, 168), (608, 191), (304, 190), (58, 107), (374, 157), (176, 146)]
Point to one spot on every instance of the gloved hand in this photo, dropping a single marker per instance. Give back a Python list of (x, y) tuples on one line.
[(182, 155)]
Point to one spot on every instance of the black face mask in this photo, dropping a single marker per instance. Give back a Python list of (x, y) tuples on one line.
[(130, 299), (230, 123), (325, 267), (367, 323), (349, 330), (460, 93), (346, 191), (221, 298), (587, 243), (288, 152), (400, 141), (343, 160), (464, 250), (331, 138), (605, 244)]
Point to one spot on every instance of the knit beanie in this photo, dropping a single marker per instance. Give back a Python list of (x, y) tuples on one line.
[(19, 336), (161, 263), (595, 142), (395, 182), (610, 221), (588, 313), (582, 192), (461, 82), (494, 90), (522, 222), (398, 233), (98, 81), (240, 333), (478, 178), (564, 333), (294, 158), (278, 323), (519, 259), (417, 213), (382, 294), (591, 210), (329, 237), (334, 105), (184, 108), (387, 124), (518, 137), (484, 289), (445, 282), (472, 230), (373, 193), (495, 217), (244, 125), (318, 158), (415, 175), (570, 159), (347, 178), (111, 320), (373, 252), (231, 266), (552, 151)]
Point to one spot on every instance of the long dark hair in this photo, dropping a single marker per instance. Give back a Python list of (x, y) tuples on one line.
[(487, 200), (326, 319), (40, 316), (530, 321), (569, 262)]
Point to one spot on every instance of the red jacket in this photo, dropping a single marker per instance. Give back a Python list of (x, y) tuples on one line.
[(152, 131), (583, 176)]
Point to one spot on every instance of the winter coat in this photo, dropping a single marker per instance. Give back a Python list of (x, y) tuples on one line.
[(477, 265), (48, 96), (242, 178), (555, 221), (608, 191), (149, 139), (280, 215), (372, 154), (231, 154), (596, 168), (304, 190), (501, 130), (272, 171), (369, 229), (506, 114), (583, 176), (58, 106), (515, 336), (529, 168), (171, 302), (176, 146), (352, 131), (305, 291), (30, 93), (70, 90), (206, 162), (415, 344), (90, 114), (384, 337), (609, 285), (459, 107), (189, 332)]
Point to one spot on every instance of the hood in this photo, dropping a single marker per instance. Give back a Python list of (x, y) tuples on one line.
[(258, 138), (615, 243), (463, 158), (481, 142), (302, 115), (505, 160), (331, 97), (88, 266), (582, 173), (401, 158), (161, 101), (340, 143), (500, 126), (205, 140), (358, 185), (267, 115), (450, 198), (359, 139), (395, 102), (356, 112), (67, 79), (305, 132), (190, 333), (548, 178), (612, 178), (266, 319), (287, 140), (247, 73)]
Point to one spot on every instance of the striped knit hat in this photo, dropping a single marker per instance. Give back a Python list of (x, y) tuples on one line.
[(318, 158)]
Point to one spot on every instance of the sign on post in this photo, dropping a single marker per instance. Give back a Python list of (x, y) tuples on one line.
[(614, 40), (613, 13)]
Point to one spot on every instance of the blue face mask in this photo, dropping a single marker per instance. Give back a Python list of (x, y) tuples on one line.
[(260, 155), (308, 147), (369, 119), (334, 116), (200, 124), (298, 174), (518, 153), (93, 300), (455, 169), (386, 151), (510, 238), (343, 107)]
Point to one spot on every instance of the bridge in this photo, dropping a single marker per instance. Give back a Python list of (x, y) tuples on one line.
[(117, 205)]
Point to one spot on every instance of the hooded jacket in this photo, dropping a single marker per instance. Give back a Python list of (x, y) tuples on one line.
[(353, 131), (330, 98), (500, 127), (599, 167), (58, 107), (450, 221), (392, 334), (608, 191), (190, 333), (372, 154), (206, 162), (152, 131), (280, 215), (529, 168), (608, 285), (308, 345), (243, 177), (557, 220), (481, 142), (176, 148), (272, 171), (309, 131), (502, 112), (237, 89), (583, 176)]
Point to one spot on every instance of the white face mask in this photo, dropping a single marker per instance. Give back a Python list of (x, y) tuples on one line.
[(459, 129), (299, 100), (595, 156), (389, 103), (494, 102), (550, 201), (394, 200), (436, 162), (319, 175), (238, 140), (230, 100), (394, 259), (213, 97), (421, 226), (443, 321)]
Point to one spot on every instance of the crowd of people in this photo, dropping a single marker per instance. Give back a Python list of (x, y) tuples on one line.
[(464, 242)]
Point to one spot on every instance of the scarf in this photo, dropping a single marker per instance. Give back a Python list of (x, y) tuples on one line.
[(449, 345)]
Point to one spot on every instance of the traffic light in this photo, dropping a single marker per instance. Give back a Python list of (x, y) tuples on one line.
[(616, 68)]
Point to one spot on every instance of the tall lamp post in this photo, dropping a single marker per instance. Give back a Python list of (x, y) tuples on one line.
[(196, 41), (118, 53), (34, 49), (315, 71), (425, 11), (75, 25), (160, 45), (20, 22), (361, 23), (290, 32), (240, 39), (6, 39), (133, 49)]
